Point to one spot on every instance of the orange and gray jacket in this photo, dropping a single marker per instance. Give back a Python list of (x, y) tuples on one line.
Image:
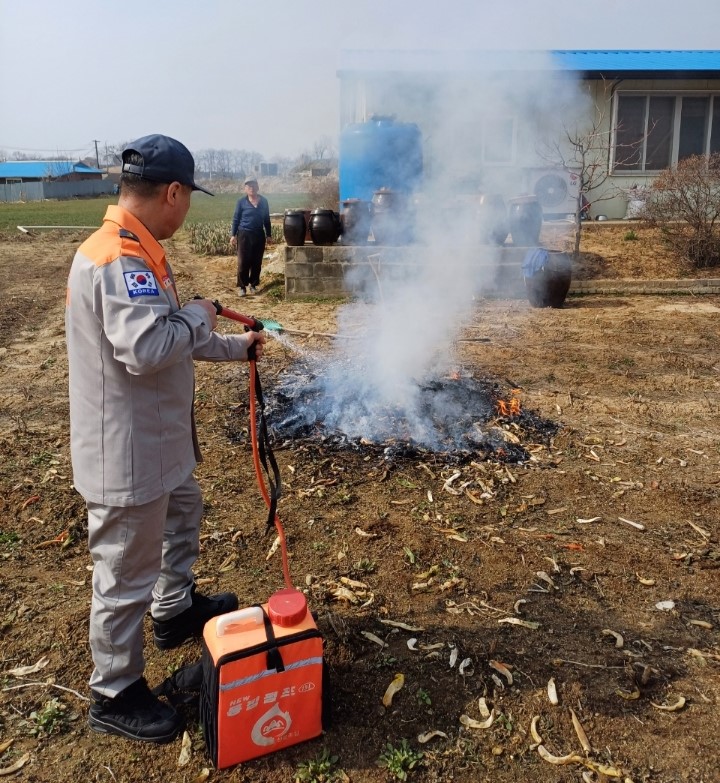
[(130, 351)]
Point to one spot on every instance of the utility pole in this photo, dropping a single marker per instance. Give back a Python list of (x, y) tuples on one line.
[(97, 156)]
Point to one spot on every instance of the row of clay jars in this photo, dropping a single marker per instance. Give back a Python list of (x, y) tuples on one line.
[(324, 226), (388, 218)]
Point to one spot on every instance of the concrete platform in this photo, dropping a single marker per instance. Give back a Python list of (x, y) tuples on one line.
[(338, 270)]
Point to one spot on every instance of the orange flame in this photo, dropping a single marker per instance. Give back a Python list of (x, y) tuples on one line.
[(512, 407)]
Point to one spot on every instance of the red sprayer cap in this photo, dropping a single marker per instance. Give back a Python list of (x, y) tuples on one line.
[(287, 607)]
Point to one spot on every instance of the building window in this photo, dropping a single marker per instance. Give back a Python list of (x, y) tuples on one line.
[(694, 115), (653, 132)]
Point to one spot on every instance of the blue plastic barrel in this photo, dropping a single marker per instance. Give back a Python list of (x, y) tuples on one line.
[(379, 153)]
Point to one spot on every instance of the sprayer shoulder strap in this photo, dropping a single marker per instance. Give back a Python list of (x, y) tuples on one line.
[(273, 657), (267, 457)]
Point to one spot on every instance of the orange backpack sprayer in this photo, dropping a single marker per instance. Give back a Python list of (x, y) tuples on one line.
[(263, 667)]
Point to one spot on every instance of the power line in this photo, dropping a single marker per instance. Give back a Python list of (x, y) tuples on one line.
[(41, 149)]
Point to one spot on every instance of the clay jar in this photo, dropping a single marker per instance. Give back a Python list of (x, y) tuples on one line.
[(549, 286), (355, 220), (390, 217), (525, 217), (492, 218), (324, 226), (294, 227)]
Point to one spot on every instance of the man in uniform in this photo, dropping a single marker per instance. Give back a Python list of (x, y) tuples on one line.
[(131, 346)]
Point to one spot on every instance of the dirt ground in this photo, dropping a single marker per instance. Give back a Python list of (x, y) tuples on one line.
[(613, 517)]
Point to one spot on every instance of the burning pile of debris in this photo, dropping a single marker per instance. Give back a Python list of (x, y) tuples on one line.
[(454, 416)]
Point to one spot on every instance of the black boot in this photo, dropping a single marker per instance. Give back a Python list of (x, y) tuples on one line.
[(173, 632), (134, 713)]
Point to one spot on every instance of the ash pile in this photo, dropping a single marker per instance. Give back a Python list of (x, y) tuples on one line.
[(454, 417)]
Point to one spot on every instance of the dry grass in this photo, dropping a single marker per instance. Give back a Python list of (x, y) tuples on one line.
[(624, 249)]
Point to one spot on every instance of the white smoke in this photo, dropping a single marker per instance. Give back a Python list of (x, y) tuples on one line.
[(398, 337)]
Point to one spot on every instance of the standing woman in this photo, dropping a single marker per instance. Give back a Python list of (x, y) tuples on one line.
[(250, 227)]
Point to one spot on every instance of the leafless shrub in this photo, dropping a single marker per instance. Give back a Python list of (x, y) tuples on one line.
[(323, 193), (685, 204)]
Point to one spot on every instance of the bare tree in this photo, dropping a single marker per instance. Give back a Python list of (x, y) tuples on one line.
[(207, 161), (214, 163), (246, 161), (584, 148), (224, 164), (112, 155), (255, 159), (322, 147), (237, 161)]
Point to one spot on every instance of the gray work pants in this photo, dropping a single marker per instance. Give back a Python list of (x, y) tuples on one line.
[(143, 558)]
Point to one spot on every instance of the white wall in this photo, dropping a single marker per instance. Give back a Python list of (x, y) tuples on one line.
[(37, 191)]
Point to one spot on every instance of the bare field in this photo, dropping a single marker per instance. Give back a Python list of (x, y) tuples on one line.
[(615, 514)]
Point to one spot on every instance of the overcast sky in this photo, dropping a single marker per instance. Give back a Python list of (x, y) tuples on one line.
[(262, 74)]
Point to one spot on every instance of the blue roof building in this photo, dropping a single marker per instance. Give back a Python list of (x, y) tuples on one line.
[(36, 170), (611, 63), (509, 121)]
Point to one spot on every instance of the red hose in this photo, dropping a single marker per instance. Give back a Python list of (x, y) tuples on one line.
[(258, 473), (256, 325), (232, 315)]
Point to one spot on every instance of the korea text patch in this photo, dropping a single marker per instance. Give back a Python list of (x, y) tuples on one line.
[(141, 283)]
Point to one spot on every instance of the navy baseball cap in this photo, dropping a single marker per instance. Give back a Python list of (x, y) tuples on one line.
[(164, 160)]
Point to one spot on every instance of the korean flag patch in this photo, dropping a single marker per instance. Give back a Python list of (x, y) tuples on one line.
[(141, 284)]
